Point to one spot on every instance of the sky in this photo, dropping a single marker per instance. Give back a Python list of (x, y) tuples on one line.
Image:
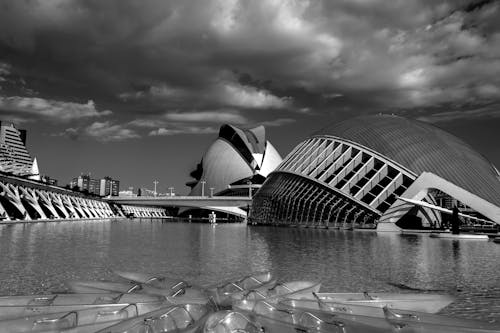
[(137, 89)]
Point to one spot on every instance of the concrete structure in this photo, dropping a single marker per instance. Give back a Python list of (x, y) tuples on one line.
[(238, 160), (26, 200), (14, 157), (352, 174), (229, 204)]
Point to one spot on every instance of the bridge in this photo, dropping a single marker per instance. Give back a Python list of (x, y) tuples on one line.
[(223, 204)]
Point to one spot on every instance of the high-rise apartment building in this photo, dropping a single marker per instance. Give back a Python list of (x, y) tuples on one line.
[(103, 187), (14, 157), (109, 186)]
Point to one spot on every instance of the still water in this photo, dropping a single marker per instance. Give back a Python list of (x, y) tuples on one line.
[(39, 257)]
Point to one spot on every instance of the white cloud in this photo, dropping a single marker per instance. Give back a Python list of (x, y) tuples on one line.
[(147, 123), (183, 130), (50, 109), (277, 122), (4, 71), (413, 78), (479, 113), (220, 116), (237, 95), (106, 131), (224, 15), (160, 91)]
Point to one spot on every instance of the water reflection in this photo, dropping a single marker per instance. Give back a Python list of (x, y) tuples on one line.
[(40, 257)]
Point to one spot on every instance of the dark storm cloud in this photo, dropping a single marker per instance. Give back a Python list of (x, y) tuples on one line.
[(248, 61)]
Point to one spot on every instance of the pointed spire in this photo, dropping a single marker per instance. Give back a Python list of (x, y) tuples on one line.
[(35, 173)]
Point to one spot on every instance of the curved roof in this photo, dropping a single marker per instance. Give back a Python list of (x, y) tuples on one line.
[(222, 165), (236, 155), (422, 147)]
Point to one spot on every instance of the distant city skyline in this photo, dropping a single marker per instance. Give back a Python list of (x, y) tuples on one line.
[(138, 90)]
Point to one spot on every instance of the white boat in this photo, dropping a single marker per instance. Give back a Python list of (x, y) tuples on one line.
[(180, 319), (389, 320), (276, 321), (140, 288), (448, 235), (430, 303), (279, 290), (236, 288), (74, 299), (10, 312), (104, 316)]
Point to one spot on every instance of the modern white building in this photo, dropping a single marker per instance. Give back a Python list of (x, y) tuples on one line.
[(14, 157), (357, 173), (238, 161)]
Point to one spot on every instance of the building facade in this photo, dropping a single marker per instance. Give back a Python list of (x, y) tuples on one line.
[(235, 164), (109, 186), (103, 187), (354, 174), (14, 157)]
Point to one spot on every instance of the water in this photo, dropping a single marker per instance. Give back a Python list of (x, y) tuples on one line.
[(39, 257)]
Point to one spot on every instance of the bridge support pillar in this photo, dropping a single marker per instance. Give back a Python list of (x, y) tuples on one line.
[(11, 193), (30, 197)]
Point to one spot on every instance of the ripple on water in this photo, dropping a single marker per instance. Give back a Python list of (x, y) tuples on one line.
[(39, 257)]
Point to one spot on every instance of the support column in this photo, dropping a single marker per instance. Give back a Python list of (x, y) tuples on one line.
[(31, 199), (57, 201), (11, 193), (44, 200)]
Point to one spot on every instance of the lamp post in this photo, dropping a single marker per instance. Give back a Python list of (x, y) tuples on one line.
[(203, 182), (171, 191), (212, 191), (155, 182)]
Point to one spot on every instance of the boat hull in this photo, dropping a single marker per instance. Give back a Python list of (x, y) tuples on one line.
[(430, 303), (458, 236), (107, 287), (10, 312), (74, 299)]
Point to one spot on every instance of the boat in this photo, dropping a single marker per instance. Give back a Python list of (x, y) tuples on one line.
[(448, 235), (389, 319), (279, 290), (377, 312), (11, 312), (161, 282), (104, 316), (175, 285), (265, 317), (430, 303), (73, 299), (124, 287), (224, 292), (180, 319)]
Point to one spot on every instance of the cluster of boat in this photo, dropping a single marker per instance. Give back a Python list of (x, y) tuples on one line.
[(258, 303)]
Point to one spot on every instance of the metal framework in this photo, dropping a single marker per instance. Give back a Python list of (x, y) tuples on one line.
[(329, 182)]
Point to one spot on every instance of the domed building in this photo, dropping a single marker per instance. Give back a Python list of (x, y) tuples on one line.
[(238, 161), (381, 171)]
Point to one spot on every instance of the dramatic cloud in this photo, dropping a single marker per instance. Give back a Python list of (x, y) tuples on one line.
[(106, 131), (59, 111), (180, 129), (249, 97), (277, 122), (4, 71), (152, 56), (219, 116), (486, 112)]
